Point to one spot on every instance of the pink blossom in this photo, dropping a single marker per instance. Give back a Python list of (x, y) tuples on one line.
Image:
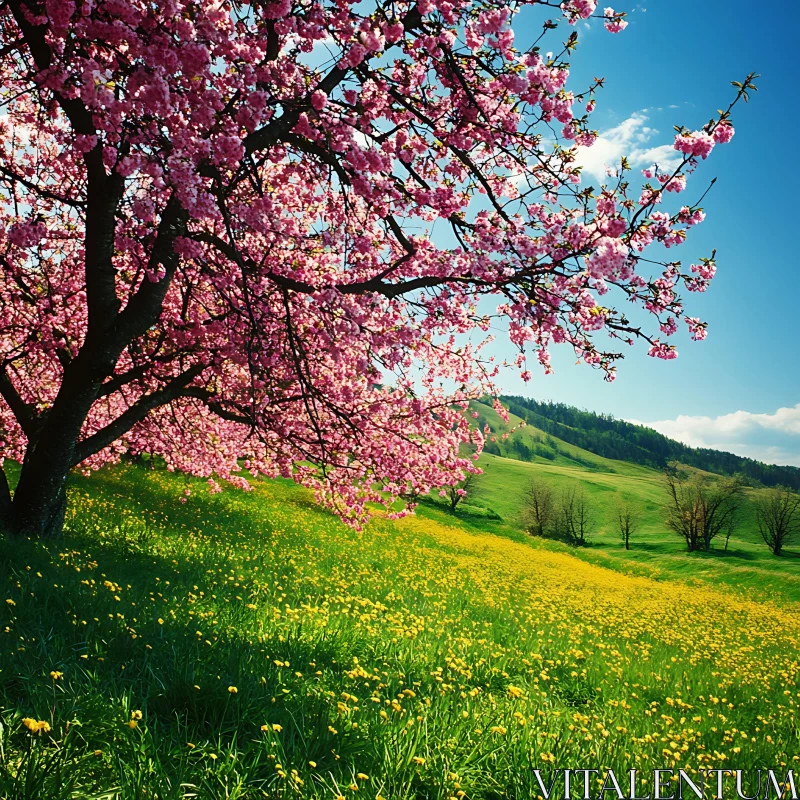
[(689, 217), (578, 9), (723, 133), (697, 329), (394, 32), (608, 258), (84, 143), (614, 21), (605, 204), (676, 184), (662, 350), (228, 149), (698, 144), (26, 234), (473, 39), (319, 100), (705, 270), (277, 10)]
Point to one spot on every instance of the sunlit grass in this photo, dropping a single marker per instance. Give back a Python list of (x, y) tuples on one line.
[(248, 645)]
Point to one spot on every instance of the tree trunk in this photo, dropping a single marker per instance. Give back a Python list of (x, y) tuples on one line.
[(39, 511), (40, 499)]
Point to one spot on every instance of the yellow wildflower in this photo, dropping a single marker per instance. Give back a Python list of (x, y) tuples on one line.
[(36, 726)]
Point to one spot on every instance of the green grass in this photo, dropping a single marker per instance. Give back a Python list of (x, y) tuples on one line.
[(563, 453), (655, 551), (426, 658)]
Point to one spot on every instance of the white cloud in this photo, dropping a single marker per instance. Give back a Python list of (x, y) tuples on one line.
[(630, 138), (772, 438)]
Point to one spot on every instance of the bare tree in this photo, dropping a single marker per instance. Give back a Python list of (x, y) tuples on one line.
[(700, 508), (628, 521), (575, 521), (469, 486), (778, 517), (539, 509), (583, 525)]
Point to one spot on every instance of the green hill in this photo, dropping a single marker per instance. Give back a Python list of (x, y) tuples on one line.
[(655, 551), (247, 645), (604, 435), (516, 453), (523, 441)]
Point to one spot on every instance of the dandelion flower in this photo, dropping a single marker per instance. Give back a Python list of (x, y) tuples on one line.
[(36, 726)]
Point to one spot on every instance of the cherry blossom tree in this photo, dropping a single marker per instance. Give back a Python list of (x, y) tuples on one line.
[(270, 237)]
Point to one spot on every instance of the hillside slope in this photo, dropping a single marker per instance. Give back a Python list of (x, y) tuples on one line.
[(557, 427), (529, 452), (523, 441), (248, 645)]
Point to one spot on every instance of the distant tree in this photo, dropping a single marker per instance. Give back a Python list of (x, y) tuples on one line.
[(575, 521), (523, 451), (539, 507), (628, 521), (728, 531), (469, 486), (699, 508), (778, 517), (583, 520), (412, 496)]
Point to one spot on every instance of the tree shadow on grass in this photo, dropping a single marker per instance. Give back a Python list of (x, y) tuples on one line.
[(97, 610), (731, 554)]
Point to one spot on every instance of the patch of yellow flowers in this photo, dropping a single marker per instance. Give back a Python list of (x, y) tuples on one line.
[(452, 650)]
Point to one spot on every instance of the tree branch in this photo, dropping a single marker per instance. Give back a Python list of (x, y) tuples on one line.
[(103, 190), (215, 406), (42, 192), (136, 413), (23, 412), (143, 308), (390, 290)]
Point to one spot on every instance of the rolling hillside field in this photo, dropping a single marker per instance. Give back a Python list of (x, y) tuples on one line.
[(248, 645), (655, 551)]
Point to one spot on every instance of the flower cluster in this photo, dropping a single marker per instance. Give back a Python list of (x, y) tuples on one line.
[(238, 239)]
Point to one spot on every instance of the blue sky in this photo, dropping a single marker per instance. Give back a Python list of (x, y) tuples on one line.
[(740, 389)]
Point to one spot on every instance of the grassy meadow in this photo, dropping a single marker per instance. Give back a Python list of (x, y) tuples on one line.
[(656, 552), (248, 645)]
